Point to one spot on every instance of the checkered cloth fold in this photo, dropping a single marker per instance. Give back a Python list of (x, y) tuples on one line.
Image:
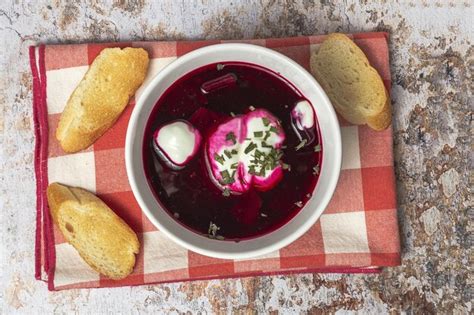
[(357, 233)]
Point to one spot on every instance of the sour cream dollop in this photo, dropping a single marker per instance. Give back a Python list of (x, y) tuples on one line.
[(176, 143), (244, 152), (303, 115)]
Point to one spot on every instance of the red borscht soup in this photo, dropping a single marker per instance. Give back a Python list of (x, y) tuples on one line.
[(232, 151)]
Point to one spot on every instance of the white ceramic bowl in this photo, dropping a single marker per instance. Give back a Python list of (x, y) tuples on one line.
[(331, 161)]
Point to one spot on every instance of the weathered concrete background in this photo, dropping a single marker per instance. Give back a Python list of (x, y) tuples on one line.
[(432, 62)]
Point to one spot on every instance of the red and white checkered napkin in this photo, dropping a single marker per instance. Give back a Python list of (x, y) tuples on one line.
[(357, 233)]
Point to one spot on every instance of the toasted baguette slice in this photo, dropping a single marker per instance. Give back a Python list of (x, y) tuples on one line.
[(103, 239), (354, 87), (101, 96)]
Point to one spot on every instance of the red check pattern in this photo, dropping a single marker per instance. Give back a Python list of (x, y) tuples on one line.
[(358, 232)]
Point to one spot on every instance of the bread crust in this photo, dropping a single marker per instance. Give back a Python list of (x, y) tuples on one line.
[(354, 87), (383, 119), (105, 242), (101, 96)]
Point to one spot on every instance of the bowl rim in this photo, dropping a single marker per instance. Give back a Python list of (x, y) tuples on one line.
[(223, 252)]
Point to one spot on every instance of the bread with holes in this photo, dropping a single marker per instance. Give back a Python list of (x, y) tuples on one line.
[(101, 96), (103, 239), (354, 87)]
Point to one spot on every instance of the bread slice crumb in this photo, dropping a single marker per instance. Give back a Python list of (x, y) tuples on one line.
[(101, 96), (354, 87), (105, 242)]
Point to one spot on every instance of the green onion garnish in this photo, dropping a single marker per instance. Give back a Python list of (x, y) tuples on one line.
[(225, 174), (266, 121), (274, 130), (267, 135), (252, 170), (258, 134), (226, 178), (316, 169), (286, 166), (212, 230), (219, 158), (231, 137), (250, 147), (301, 145)]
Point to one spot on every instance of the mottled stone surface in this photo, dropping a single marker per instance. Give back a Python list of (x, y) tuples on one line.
[(432, 63)]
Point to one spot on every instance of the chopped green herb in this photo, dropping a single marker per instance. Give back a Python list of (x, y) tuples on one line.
[(286, 166), (279, 154), (226, 178), (234, 165), (231, 137), (274, 130), (267, 135), (212, 231), (252, 170), (225, 173), (226, 192), (266, 145), (258, 134), (228, 154), (276, 154), (266, 121), (316, 169), (219, 158), (263, 160), (301, 145), (250, 147), (317, 148), (258, 154), (234, 151)]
